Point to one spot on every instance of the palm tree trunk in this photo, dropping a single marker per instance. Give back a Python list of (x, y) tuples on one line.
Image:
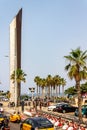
[(56, 90), (43, 92), (63, 90), (79, 100), (51, 91), (48, 91), (59, 90), (37, 90)]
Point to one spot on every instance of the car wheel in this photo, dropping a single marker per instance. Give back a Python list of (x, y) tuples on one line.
[(64, 111), (18, 121), (21, 128)]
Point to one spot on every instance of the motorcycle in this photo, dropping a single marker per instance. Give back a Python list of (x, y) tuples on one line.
[(5, 128), (5, 125)]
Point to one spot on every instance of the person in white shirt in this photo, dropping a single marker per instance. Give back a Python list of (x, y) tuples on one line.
[(71, 126), (66, 125)]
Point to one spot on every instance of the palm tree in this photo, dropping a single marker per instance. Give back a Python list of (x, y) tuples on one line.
[(77, 70), (36, 80), (57, 84), (18, 76), (63, 83), (43, 85), (48, 80), (54, 85), (8, 94)]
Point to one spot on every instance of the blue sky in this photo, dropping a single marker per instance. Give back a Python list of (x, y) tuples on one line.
[(50, 29)]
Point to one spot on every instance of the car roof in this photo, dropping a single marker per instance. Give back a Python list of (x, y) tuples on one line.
[(38, 118), (40, 122), (2, 115)]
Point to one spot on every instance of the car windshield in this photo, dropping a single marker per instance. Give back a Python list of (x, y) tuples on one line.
[(43, 123), (1, 115)]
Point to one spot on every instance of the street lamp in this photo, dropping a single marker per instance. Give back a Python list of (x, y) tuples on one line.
[(32, 91)]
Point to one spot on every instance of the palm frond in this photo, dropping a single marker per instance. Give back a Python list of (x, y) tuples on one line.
[(67, 66)]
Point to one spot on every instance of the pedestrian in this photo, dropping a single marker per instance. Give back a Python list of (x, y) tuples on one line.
[(71, 126), (66, 125), (40, 106), (22, 105), (29, 103), (82, 127)]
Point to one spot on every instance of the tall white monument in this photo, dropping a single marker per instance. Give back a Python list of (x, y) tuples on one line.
[(15, 54)]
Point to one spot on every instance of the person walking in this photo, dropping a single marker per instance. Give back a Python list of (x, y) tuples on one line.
[(40, 106)]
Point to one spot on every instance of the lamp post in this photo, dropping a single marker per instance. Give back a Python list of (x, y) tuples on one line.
[(32, 90)]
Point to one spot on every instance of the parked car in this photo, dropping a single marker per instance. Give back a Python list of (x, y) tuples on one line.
[(36, 123), (84, 111), (63, 108), (5, 99), (51, 107)]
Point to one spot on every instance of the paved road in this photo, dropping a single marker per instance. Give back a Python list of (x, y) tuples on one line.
[(14, 126)]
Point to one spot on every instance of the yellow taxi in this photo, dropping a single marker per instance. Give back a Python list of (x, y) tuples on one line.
[(15, 117), (36, 123), (1, 117)]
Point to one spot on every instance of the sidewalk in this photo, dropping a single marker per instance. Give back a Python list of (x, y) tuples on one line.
[(10, 110), (13, 109)]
